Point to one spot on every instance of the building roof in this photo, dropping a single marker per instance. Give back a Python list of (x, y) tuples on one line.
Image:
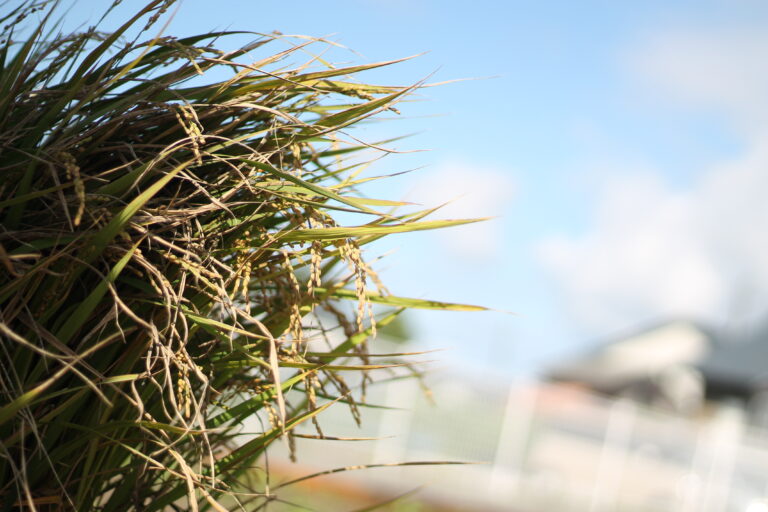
[(734, 364)]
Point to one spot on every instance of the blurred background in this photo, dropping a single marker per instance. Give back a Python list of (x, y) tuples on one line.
[(622, 148)]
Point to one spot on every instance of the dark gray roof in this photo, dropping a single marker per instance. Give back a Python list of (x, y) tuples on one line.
[(738, 362)]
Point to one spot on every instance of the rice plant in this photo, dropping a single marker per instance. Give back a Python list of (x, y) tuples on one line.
[(169, 257)]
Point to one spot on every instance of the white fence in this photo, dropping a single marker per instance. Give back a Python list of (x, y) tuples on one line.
[(544, 448)]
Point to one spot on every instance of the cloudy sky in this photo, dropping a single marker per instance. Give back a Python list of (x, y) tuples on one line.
[(621, 146)]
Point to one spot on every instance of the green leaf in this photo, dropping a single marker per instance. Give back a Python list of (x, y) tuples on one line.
[(321, 191), (339, 233), (404, 302), (86, 307)]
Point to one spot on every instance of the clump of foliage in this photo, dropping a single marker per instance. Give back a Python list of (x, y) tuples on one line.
[(168, 250)]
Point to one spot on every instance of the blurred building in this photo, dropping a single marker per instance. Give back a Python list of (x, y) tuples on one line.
[(678, 366)]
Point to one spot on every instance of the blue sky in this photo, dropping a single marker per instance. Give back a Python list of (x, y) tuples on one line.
[(620, 144)]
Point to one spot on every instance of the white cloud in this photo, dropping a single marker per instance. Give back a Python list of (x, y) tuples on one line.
[(655, 252), (473, 192), (722, 69)]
